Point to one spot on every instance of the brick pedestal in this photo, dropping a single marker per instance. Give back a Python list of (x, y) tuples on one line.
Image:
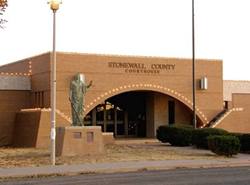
[(73, 141)]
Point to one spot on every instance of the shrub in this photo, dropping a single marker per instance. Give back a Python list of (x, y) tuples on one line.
[(162, 134), (180, 136), (224, 145), (176, 135), (244, 141), (199, 138)]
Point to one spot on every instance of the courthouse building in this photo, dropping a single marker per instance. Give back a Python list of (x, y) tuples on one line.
[(130, 96)]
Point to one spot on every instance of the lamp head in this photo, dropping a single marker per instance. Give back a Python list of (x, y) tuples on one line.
[(54, 4)]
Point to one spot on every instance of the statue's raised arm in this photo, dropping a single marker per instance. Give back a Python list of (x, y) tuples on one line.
[(90, 84)]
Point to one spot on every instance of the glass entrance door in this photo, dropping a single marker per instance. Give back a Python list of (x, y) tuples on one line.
[(124, 115), (137, 125)]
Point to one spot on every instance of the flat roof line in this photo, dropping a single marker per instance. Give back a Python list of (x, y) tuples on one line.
[(136, 56)]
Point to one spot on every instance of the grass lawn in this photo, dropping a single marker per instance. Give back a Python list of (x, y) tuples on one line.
[(123, 150)]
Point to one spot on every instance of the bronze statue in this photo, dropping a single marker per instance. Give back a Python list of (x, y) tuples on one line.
[(78, 89)]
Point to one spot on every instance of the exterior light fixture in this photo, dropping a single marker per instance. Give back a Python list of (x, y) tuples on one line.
[(203, 83), (54, 4)]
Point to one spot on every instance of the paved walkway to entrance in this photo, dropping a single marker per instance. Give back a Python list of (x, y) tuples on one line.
[(239, 160), (135, 141)]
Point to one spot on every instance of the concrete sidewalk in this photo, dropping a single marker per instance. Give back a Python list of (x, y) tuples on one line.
[(239, 160)]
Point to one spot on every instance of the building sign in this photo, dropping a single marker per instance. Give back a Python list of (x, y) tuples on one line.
[(142, 68)]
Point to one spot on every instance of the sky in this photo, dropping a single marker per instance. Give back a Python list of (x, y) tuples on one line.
[(132, 27)]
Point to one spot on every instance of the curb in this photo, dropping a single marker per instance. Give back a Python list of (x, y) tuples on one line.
[(132, 166)]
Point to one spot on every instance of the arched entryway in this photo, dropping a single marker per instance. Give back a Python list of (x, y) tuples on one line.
[(138, 113)]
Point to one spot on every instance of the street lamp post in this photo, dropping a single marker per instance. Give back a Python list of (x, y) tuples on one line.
[(193, 67), (54, 6)]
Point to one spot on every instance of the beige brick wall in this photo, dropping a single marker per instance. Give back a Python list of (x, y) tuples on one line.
[(32, 128), (160, 110), (238, 121), (183, 115), (11, 102), (108, 82)]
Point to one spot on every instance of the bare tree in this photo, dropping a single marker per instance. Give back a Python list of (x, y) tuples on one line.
[(3, 6)]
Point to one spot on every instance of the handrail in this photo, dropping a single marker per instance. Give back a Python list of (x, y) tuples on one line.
[(217, 117), (223, 116)]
